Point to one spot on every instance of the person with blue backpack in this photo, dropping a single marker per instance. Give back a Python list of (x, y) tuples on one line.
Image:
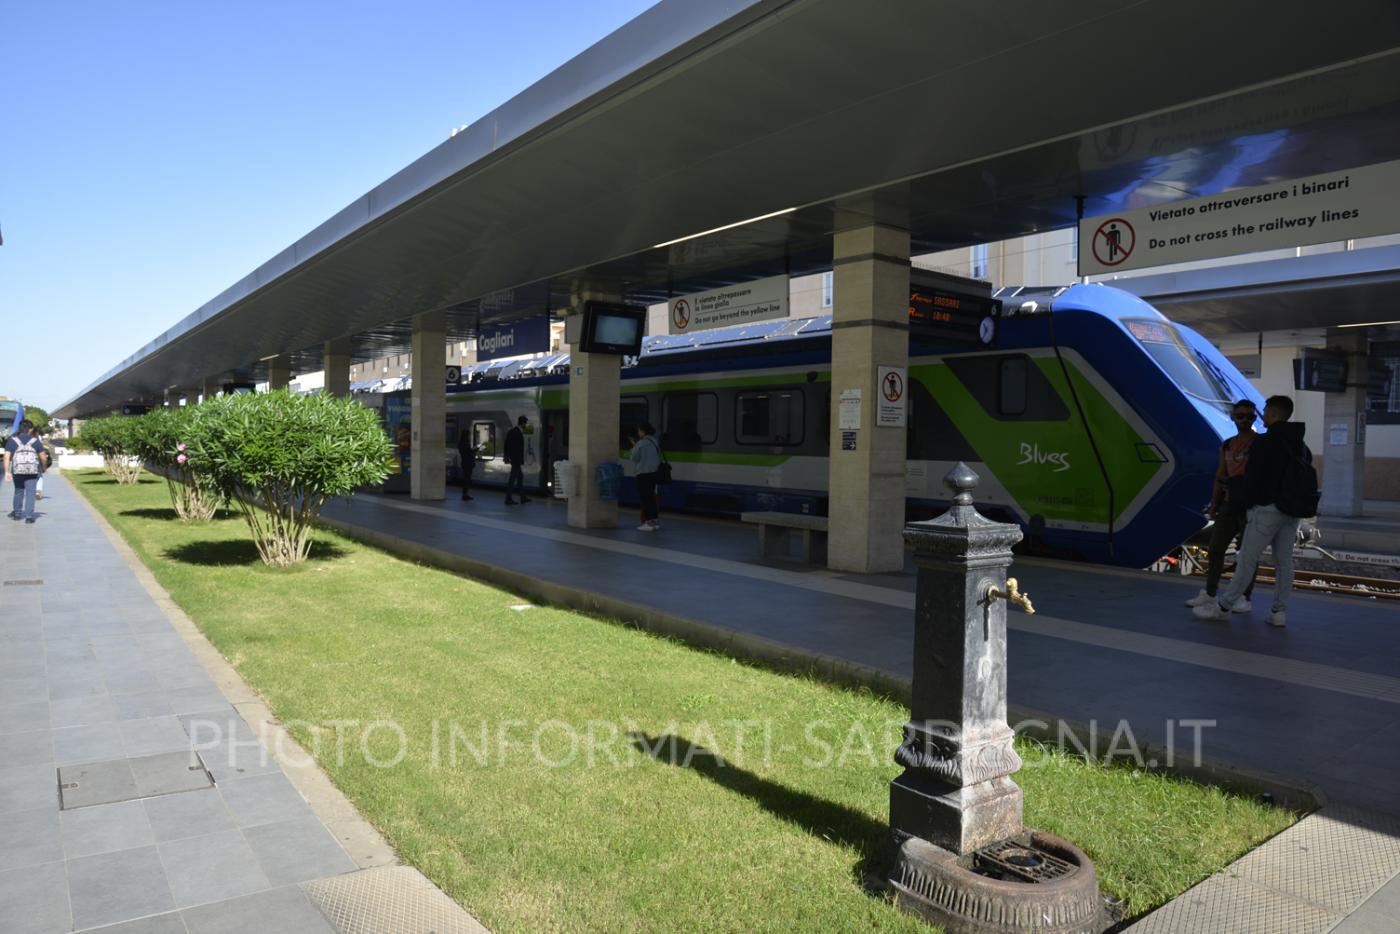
[(24, 454), (1280, 486)]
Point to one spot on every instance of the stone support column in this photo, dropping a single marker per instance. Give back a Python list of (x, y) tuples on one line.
[(279, 373), (595, 423), (428, 450), (210, 388), (870, 329), (335, 359), (1343, 441)]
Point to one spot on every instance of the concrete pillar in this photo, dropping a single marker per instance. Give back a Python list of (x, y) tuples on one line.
[(279, 373), (428, 463), (595, 400), (869, 329), (1343, 441), (335, 361), (210, 388)]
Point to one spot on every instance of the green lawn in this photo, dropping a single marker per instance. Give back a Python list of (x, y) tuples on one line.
[(779, 837)]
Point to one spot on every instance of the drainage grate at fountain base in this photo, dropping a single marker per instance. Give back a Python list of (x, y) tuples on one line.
[(1019, 860)]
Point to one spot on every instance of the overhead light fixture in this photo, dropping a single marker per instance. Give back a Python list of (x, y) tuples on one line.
[(272, 356), (1366, 324), (706, 233)]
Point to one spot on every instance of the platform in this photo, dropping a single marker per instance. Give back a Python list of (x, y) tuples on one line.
[(1376, 531), (1318, 702), (144, 787)]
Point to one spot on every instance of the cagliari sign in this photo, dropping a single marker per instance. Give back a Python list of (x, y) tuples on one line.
[(1345, 205)]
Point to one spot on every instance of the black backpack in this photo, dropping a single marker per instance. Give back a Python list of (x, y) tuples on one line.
[(1297, 490)]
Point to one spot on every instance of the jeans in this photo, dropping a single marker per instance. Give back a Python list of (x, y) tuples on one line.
[(24, 495), (1267, 527), (516, 483), (1228, 527), (646, 492)]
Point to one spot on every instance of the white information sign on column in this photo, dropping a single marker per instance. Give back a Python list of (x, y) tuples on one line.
[(760, 300), (1361, 202), (890, 406), (850, 410)]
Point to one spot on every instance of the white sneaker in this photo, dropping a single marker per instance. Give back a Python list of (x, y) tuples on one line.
[(1278, 618), (655, 525), (1242, 605), (1199, 599), (646, 527), (1210, 611)]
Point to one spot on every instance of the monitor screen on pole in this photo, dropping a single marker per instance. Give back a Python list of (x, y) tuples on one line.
[(612, 328)]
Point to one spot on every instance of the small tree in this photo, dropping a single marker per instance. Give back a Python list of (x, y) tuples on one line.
[(160, 437), (112, 437), (280, 456), (43, 422)]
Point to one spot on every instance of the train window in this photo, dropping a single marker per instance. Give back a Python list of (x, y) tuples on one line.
[(773, 417), (484, 438), (1015, 379), (689, 420), (635, 411), (1194, 374)]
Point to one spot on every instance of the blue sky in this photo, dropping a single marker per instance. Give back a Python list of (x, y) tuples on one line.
[(153, 153)]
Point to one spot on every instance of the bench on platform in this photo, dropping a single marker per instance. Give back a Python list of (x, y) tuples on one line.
[(775, 527)]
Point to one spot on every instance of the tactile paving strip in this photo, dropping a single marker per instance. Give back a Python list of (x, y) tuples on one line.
[(1304, 880), (1222, 905), (389, 898), (1334, 858)]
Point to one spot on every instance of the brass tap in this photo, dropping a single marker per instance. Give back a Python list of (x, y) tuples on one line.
[(1012, 594)]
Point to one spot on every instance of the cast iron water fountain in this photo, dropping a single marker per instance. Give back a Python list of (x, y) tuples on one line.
[(965, 859)]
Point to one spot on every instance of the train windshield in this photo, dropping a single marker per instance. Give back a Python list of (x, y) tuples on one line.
[(1196, 376)]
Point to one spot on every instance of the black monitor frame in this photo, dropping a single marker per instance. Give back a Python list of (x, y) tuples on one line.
[(594, 312)]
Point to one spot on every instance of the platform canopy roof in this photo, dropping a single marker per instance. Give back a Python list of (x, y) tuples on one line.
[(1348, 288), (965, 123)]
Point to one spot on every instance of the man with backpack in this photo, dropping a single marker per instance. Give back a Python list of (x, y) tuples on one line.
[(23, 453), (1280, 486)]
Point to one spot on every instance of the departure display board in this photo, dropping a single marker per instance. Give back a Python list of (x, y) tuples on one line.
[(940, 315)]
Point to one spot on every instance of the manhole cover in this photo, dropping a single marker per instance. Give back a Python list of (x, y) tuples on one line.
[(91, 783), (23, 583)]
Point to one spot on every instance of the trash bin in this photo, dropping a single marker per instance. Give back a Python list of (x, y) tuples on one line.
[(566, 479), (609, 481)]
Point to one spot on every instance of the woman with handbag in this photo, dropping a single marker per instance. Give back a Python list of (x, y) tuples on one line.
[(646, 457)]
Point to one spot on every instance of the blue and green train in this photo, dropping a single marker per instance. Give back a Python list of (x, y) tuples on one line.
[(11, 414), (1092, 420)]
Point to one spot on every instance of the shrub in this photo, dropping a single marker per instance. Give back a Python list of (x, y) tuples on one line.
[(112, 437), (159, 438), (280, 456)]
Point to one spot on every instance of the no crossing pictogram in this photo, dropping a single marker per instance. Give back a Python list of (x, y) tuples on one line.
[(1114, 241), (680, 315), (892, 387)]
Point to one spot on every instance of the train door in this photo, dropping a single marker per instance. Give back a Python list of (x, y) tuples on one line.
[(554, 443)]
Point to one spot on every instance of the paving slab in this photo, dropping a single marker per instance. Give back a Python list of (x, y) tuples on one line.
[(101, 689)]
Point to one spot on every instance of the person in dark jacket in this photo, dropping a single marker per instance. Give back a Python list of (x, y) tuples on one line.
[(466, 451), (1268, 526), (515, 457), (646, 457)]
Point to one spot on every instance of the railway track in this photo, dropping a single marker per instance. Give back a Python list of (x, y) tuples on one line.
[(1318, 581), (1327, 582)]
